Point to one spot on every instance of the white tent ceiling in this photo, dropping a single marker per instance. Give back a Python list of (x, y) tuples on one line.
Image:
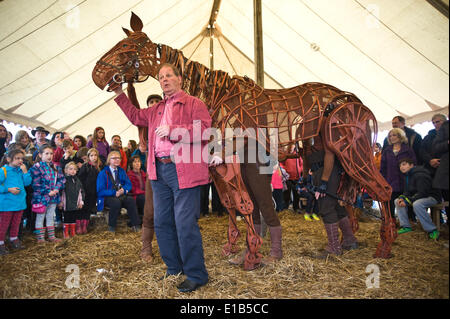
[(394, 55)]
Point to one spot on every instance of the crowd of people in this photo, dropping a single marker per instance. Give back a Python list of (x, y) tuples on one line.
[(68, 179), (72, 166), (63, 181), (417, 170)]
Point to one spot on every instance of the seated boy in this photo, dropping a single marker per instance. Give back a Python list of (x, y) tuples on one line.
[(420, 195)]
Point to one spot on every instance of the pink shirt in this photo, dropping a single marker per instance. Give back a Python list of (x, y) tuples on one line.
[(185, 110), (163, 146), (277, 182)]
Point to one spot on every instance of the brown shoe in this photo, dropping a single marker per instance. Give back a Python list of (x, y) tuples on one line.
[(147, 238), (147, 258)]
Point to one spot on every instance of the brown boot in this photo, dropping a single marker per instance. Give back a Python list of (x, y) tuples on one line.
[(334, 246), (147, 238), (348, 239), (276, 252)]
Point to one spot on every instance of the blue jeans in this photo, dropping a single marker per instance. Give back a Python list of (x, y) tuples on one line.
[(420, 207), (176, 228)]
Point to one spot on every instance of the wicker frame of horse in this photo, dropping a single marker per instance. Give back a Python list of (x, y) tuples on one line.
[(347, 128)]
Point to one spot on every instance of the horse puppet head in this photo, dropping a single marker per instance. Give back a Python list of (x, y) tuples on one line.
[(132, 59)]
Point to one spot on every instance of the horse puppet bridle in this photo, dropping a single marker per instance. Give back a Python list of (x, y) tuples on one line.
[(138, 55)]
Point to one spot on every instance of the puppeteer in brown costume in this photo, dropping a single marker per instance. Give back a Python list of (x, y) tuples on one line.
[(327, 172), (259, 190), (147, 220)]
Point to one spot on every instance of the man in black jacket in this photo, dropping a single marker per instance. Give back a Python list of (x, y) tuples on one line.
[(420, 195), (440, 149), (429, 159)]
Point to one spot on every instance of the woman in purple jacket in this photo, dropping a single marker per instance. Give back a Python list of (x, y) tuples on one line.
[(99, 143), (397, 149)]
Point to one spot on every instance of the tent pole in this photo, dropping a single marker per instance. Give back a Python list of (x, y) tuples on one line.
[(211, 49), (211, 27), (258, 38), (440, 5)]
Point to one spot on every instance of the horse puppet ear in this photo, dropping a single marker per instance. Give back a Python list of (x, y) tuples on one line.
[(127, 32), (135, 22)]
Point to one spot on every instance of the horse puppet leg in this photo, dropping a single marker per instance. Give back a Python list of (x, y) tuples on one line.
[(352, 218), (245, 205), (254, 242), (388, 232), (233, 195), (233, 233), (218, 174)]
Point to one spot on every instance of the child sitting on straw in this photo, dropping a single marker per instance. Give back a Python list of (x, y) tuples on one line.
[(72, 201), (13, 179), (420, 195)]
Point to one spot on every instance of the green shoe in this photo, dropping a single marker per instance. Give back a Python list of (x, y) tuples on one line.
[(404, 230), (314, 216), (434, 235)]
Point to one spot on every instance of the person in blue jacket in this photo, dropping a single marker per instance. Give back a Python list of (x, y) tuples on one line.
[(113, 185), (13, 179)]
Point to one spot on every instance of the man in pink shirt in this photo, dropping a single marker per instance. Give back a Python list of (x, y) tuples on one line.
[(177, 170)]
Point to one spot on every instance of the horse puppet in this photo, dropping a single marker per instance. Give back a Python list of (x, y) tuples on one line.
[(346, 128)]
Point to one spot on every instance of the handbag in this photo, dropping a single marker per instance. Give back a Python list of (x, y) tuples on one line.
[(38, 208)]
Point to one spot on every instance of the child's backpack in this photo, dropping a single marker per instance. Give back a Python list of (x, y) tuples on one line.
[(6, 174)]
